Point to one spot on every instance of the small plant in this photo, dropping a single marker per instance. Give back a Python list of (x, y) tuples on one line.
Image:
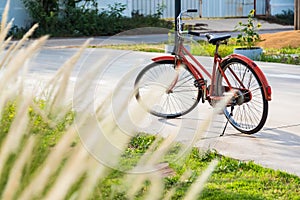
[(248, 32)]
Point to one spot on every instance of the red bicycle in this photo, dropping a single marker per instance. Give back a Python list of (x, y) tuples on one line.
[(248, 109)]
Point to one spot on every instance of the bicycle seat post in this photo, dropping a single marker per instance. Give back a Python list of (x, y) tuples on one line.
[(217, 48)]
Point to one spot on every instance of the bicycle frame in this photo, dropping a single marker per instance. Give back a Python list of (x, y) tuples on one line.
[(180, 58), (247, 110)]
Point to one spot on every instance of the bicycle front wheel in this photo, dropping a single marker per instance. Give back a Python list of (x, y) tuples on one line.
[(172, 90), (248, 112)]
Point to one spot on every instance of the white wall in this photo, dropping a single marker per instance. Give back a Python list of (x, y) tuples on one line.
[(103, 5), (16, 11)]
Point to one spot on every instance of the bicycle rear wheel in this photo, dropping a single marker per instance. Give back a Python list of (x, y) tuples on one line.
[(173, 91), (248, 111)]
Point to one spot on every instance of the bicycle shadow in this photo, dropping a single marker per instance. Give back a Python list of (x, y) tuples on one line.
[(281, 135)]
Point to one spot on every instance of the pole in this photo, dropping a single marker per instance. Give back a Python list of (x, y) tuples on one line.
[(254, 7), (297, 15), (177, 11)]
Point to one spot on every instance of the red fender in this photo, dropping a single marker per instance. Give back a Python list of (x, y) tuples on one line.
[(266, 87), (160, 58)]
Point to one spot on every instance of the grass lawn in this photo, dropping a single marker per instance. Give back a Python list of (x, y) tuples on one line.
[(232, 179), (286, 55)]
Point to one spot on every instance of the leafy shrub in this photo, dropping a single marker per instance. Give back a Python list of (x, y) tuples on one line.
[(87, 20), (286, 17)]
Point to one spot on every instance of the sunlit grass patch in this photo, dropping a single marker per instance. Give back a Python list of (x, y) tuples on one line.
[(157, 48)]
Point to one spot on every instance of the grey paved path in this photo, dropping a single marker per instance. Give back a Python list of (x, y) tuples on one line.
[(277, 146)]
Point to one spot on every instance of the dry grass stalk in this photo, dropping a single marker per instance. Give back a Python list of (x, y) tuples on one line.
[(81, 98), (58, 86), (185, 176), (25, 37), (72, 170), (16, 172), (198, 185), (16, 133), (4, 27), (50, 165), (11, 71), (95, 172), (8, 52)]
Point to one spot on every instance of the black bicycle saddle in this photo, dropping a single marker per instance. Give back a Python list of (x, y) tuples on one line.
[(213, 39)]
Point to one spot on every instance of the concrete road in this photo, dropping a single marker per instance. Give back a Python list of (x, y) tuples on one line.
[(277, 146)]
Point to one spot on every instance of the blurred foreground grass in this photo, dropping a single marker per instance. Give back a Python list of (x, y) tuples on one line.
[(42, 155)]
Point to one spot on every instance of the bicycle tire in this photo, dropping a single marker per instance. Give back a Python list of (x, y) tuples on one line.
[(183, 98), (249, 117)]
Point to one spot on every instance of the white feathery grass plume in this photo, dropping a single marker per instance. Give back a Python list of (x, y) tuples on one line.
[(156, 187), (147, 165), (185, 176), (5, 27), (59, 84), (3, 33), (16, 132), (8, 52), (95, 172), (23, 55), (4, 15), (36, 107), (82, 100), (217, 109), (163, 149), (6, 96), (197, 187), (74, 168), (151, 158), (204, 125), (50, 165), (5, 43), (15, 51), (15, 174), (25, 37), (111, 140)]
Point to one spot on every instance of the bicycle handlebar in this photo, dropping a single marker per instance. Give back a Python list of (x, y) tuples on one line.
[(180, 23), (191, 10)]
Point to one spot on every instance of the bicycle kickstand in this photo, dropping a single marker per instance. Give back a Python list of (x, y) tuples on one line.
[(231, 114)]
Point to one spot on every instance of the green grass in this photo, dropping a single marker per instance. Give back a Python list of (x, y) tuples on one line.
[(232, 179), (287, 55), (41, 156)]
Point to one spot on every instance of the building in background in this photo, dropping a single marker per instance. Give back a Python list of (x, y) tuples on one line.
[(207, 8), (16, 12)]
